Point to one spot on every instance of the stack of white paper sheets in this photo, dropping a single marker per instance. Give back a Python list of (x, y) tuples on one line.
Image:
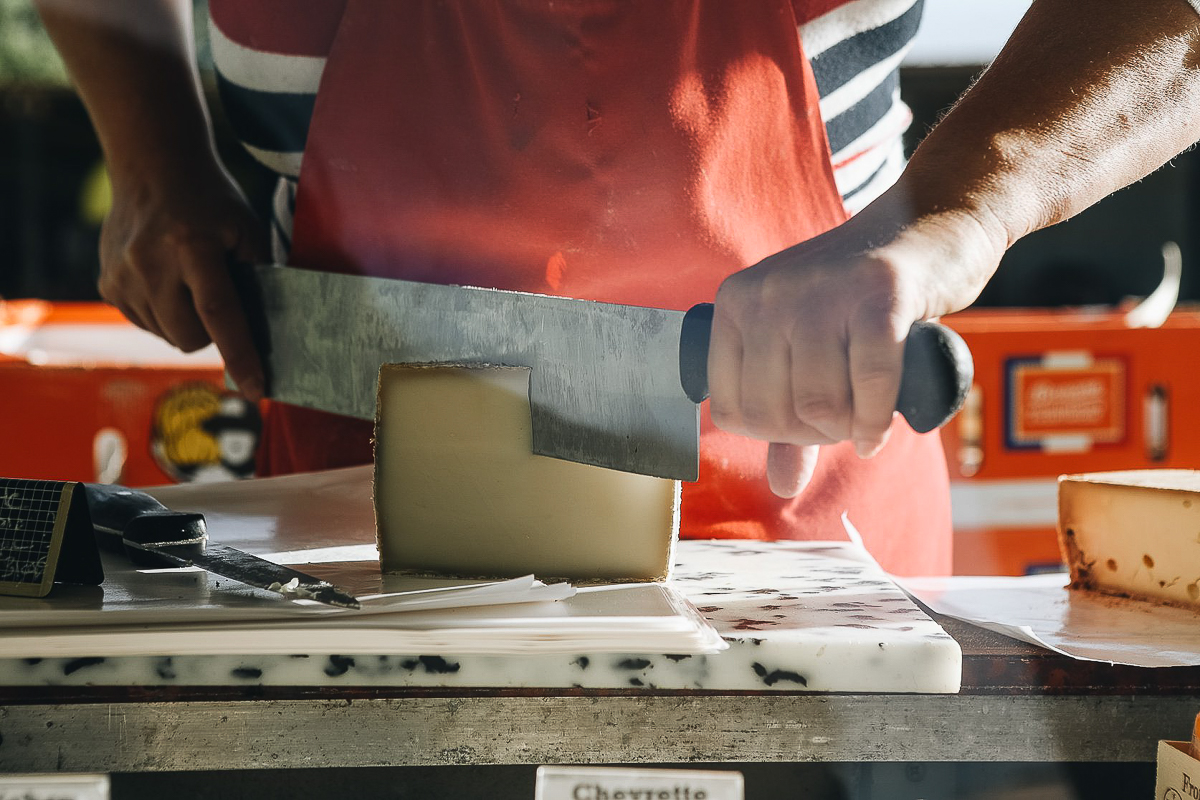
[(190, 612)]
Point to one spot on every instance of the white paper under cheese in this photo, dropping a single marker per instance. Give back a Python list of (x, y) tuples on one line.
[(1134, 533), (458, 490)]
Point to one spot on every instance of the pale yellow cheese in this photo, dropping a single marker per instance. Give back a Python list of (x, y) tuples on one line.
[(458, 490), (1133, 533)]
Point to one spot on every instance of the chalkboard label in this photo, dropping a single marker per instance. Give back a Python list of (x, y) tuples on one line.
[(45, 536)]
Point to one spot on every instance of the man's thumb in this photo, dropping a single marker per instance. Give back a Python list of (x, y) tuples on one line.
[(790, 467)]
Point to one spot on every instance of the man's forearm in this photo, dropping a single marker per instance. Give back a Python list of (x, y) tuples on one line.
[(1084, 99), (132, 62), (177, 219)]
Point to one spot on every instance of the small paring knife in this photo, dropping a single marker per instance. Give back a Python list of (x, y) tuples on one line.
[(152, 535)]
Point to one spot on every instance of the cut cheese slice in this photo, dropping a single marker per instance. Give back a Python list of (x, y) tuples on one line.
[(1134, 533), (459, 492)]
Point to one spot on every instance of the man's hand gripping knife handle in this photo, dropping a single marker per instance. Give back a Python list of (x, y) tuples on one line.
[(938, 369)]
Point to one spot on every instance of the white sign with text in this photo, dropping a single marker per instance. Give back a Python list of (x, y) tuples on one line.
[(620, 783), (54, 787)]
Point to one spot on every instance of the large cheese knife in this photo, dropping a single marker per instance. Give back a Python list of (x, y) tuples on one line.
[(152, 535), (611, 385)]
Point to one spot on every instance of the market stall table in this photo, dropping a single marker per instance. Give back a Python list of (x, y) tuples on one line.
[(882, 690), (1017, 703)]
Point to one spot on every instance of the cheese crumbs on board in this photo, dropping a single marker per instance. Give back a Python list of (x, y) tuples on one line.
[(458, 491)]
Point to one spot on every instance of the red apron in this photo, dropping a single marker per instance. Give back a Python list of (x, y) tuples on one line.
[(630, 152)]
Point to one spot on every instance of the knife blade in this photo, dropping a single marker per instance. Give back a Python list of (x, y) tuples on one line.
[(607, 383), (133, 522)]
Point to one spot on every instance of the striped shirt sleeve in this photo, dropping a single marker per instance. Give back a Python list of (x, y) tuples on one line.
[(855, 50)]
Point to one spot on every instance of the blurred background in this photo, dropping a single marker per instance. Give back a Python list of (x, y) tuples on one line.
[(54, 194), (1075, 281)]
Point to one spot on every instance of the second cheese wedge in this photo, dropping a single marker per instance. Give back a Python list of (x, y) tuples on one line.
[(1134, 533), (459, 492)]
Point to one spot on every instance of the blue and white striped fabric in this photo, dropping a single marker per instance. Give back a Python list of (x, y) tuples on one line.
[(855, 51)]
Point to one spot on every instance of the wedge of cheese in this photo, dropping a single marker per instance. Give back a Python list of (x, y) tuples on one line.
[(1133, 533), (459, 492)]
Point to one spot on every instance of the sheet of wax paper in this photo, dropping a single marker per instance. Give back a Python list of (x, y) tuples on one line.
[(1040, 609)]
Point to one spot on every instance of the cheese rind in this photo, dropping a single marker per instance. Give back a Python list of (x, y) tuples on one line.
[(1134, 533), (459, 492)]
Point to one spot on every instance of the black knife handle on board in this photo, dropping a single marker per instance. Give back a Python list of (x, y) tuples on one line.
[(125, 518), (938, 369)]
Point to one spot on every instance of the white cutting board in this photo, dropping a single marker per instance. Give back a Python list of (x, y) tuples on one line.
[(798, 616)]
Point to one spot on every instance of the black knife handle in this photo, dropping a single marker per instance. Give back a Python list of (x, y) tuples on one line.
[(694, 337), (938, 369), (126, 520)]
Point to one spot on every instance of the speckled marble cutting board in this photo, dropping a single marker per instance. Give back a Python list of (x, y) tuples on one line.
[(799, 616)]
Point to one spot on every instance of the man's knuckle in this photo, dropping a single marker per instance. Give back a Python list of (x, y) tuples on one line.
[(179, 235), (776, 289), (823, 413), (761, 416), (211, 308), (732, 298), (724, 414), (817, 407), (118, 284), (875, 380), (879, 315), (138, 253)]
